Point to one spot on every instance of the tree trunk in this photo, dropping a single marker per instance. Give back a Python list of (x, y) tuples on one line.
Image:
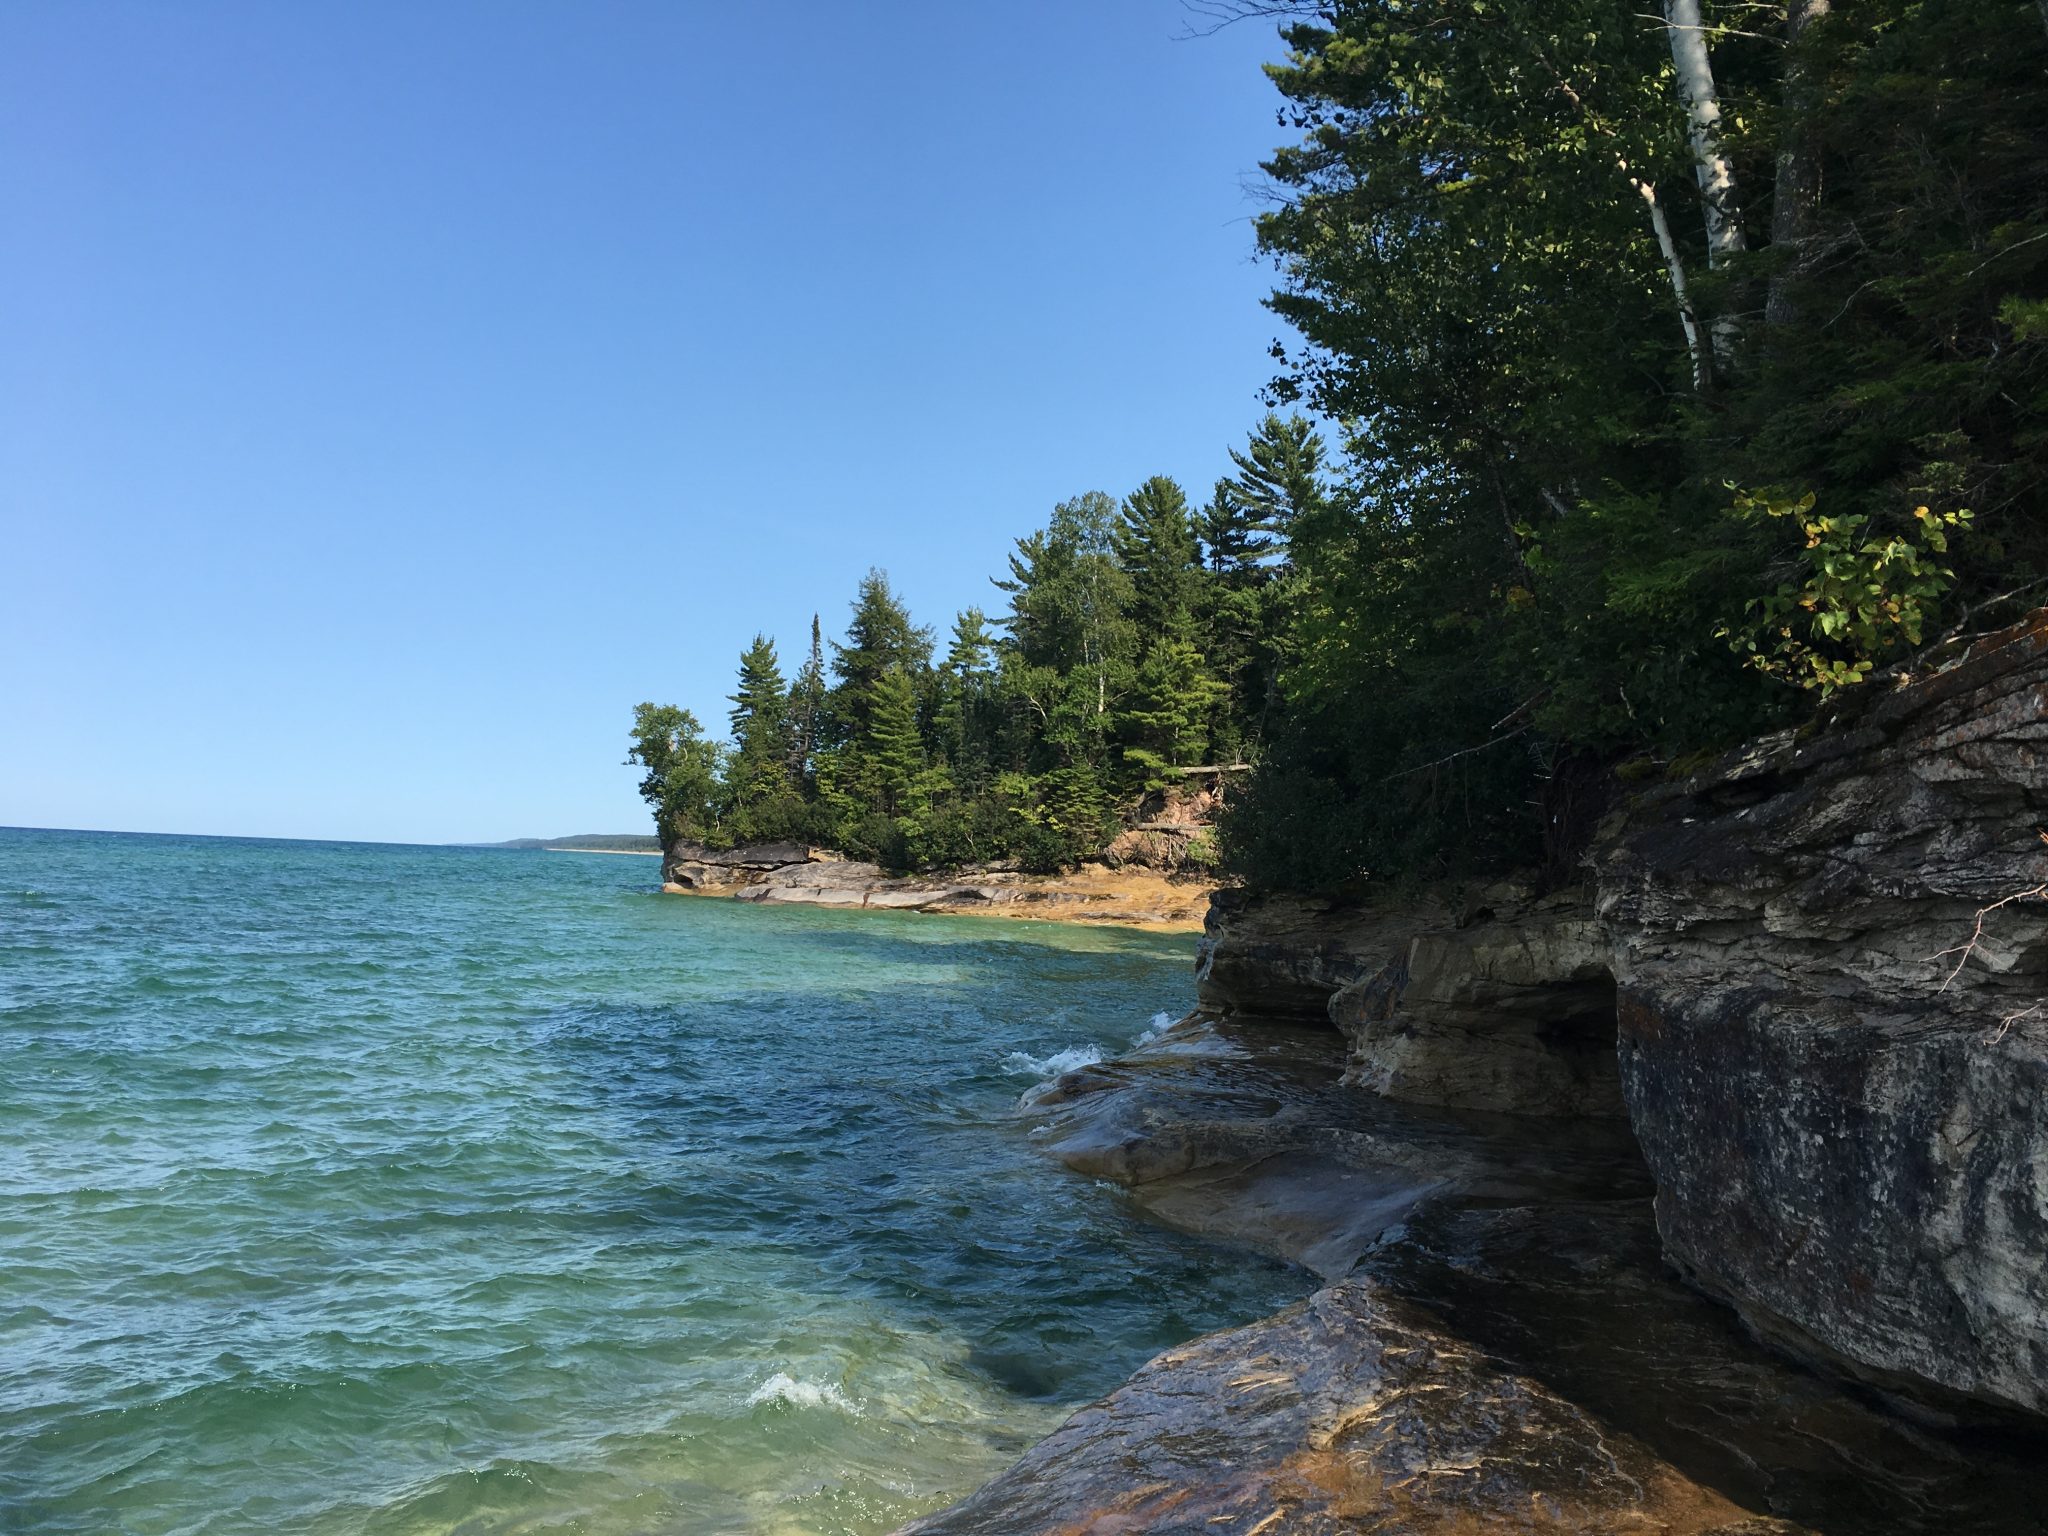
[(1703, 125), (1716, 174), (1795, 202), (1674, 263)]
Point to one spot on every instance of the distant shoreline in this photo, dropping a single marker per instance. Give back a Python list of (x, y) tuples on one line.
[(631, 853)]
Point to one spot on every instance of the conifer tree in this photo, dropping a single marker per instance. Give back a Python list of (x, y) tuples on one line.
[(962, 692), (1234, 533), (806, 711), (1279, 477), (760, 708), (891, 748), (1155, 543), (972, 646), (759, 798), (879, 638), (1167, 722)]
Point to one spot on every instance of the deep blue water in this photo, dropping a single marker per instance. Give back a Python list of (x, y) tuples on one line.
[(352, 1188)]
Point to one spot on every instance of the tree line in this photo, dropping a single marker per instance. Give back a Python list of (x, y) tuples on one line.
[(1679, 370), (1137, 638)]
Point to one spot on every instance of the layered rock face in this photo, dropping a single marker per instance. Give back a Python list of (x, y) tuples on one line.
[(1507, 1004), (1498, 1346), (1815, 977), (689, 867), (1832, 1038), (778, 873)]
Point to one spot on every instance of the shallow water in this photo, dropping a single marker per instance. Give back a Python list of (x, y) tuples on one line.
[(355, 1188)]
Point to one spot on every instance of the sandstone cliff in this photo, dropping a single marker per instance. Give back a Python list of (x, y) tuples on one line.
[(1813, 978), (1838, 1071), (1127, 894)]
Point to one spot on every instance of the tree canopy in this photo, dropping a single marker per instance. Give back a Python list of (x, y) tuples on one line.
[(1649, 378)]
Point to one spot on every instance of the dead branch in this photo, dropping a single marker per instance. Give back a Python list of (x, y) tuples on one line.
[(1963, 951)]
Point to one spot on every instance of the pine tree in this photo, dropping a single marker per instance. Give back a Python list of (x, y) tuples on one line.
[(760, 709), (879, 638), (962, 689), (1155, 543), (758, 794), (1278, 480), (972, 646), (1232, 539), (1167, 722), (891, 747), (806, 711)]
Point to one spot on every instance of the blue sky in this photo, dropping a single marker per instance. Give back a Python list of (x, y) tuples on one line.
[(391, 396)]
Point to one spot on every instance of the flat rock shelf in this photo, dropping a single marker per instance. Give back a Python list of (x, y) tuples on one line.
[(1498, 1346)]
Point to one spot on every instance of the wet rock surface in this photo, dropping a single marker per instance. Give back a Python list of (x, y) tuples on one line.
[(1499, 1345), (1347, 1413), (1813, 976)]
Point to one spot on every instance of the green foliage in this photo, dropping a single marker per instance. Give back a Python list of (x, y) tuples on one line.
[(1532, 553), (1518, 563), (880, 639), (891, 747), (1154, 542), (760, 791), (681, 771), (1166, 721), (806, 714), (1279, 483), (1031, 738), (1859, 598), (1056, 819)]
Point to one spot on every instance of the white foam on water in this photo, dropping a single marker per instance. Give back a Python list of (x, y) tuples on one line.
[(798, 1393), (1162, 1021), (1024, 1064)]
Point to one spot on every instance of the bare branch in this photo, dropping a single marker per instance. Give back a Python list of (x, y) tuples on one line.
[(1965, 950), (1454, 756)]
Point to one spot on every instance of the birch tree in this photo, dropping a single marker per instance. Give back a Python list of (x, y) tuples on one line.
[(1712, 167)]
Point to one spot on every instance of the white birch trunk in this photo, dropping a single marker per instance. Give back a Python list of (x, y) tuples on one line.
[(1674, 263), (1703, 126)]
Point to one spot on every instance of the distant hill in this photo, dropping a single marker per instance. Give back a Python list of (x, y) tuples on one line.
[(587, 842)]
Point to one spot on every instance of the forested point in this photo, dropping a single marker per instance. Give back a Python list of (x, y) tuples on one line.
[(1666, 375)]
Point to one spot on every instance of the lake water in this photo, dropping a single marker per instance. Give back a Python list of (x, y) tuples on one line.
[(351, 1188)]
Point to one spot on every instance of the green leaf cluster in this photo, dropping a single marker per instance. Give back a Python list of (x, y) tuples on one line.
[(1859, 597)]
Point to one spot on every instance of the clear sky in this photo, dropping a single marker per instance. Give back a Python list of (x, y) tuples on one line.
[(393, 395)]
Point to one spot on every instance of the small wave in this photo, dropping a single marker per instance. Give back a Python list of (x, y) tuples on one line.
[(1024, 1064), (1162, 1021), (798, 1393)]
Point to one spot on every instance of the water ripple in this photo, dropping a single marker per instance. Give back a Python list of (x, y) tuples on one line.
[(386, 1190)]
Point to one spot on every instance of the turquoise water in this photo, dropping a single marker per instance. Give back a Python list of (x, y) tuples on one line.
[(356, 1188)]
